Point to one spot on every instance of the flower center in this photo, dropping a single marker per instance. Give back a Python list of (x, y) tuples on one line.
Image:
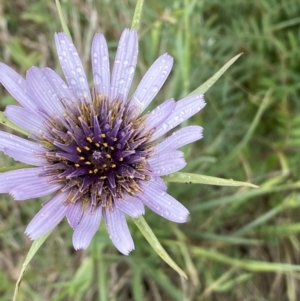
[(98, 151)]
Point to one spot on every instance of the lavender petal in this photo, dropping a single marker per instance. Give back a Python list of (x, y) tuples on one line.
[(33, 158), (100, 65), (42, 93), (163, 204), (159, 183), (124, 65), (87, 228), (12, 179), (74, 214), (35, 189), (72, 67), (16, 86), (48, 217), (22, 150), (33, 123), (161, 113), (151, 83), (166, 163), (118, 230), (185, 108), (180, 138), (59, 86), (131, 206)]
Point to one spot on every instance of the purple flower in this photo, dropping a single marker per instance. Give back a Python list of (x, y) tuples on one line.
[(95, 149)]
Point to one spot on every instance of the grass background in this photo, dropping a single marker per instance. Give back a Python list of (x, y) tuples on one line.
[(240, 243)]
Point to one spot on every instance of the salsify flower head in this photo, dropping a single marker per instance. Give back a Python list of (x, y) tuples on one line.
[(95, 150)]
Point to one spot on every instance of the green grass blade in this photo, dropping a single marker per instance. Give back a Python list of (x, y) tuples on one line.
[(62, 19), (14, 167), (155, 244), (242, 197), (5, 121), (209, 83), (190, 178), (256, 121), (33, 249), (137, 15), (251, 265)]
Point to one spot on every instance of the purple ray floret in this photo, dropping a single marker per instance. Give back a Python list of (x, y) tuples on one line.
[(95, 150)]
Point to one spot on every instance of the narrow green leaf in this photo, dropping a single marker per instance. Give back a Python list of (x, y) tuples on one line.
[(155, 244), (33, 249), (204, 87), (5, 121), (137, 15), (62, 19), (251, 265), (256, 121), (190, 178), (14, 167)]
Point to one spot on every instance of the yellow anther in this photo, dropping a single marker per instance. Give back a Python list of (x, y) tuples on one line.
[(113, 165), (81, 158), (97, 144), (78, 149), (104, 165), (88, 163), (89, 139), (87, 148), (112, 148), (108, 156), (77, 165), (115, 139), (95, 170), (105, 144), (103, 135), (90, 171), (103, 177), (121, 159)]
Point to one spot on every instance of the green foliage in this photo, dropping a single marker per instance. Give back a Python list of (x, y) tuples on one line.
[(240, 243)]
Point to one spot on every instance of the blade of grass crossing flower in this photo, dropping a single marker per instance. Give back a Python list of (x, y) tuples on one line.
[(137, 15), (33, 249), (190, 178), (62, 19), (204, 87), (5, 121), (155, 244)]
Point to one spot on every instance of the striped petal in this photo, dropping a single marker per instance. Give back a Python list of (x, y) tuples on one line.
[(131, 206), (35, 189), (180, 138), (74, 214), (157, 116), (59, 86), (48, 217), (22, 150), (43, 94), (100, 65), (166, 163), (185, 108), (87, 228), (12, 179), (118, 230), (16, 86), (72, 67), (124, 65), (151, 83), (33, 123), (163, 204)]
